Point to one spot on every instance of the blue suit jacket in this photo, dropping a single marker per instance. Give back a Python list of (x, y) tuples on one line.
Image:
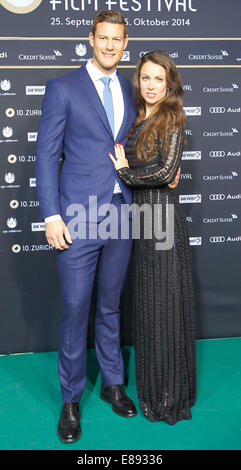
[(74, 121)]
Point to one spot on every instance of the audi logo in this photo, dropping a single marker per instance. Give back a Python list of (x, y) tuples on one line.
[(217, 153), (217, 109), (219, 239), (217, 197)]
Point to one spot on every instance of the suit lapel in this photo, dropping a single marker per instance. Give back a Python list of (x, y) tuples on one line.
[(92, 94), (124, 93)]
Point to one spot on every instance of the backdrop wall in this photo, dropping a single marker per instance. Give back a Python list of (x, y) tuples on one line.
[(44, 39)]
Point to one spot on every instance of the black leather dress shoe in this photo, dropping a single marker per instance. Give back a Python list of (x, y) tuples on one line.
[(69, 424), (121, 403)]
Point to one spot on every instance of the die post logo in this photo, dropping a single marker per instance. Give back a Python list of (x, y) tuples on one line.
[(20, 6)]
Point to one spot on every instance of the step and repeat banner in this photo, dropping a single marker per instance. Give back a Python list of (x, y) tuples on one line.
[(44, 39)]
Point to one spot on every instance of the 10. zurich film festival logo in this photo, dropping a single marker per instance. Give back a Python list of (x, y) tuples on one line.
[(20, 6), (151, 222)]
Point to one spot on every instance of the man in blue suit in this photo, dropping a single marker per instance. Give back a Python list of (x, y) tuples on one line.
[(84, 114)]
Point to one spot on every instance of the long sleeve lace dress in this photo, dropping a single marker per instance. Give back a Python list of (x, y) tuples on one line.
[(163, 301)]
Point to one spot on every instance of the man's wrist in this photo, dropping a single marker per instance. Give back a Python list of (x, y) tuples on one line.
[(51, 218)]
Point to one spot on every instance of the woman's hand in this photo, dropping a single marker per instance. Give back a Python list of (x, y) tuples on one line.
[(120, 160), (174, 183)]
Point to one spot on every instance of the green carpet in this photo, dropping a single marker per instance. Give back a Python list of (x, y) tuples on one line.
[(30, 404)]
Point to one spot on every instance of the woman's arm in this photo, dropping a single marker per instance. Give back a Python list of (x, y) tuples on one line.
[(157, 172), (175, 182)]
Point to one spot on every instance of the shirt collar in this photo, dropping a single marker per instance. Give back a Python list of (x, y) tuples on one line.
[(96, 74)]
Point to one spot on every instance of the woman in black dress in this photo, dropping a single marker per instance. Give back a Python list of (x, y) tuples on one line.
[(163, 300)]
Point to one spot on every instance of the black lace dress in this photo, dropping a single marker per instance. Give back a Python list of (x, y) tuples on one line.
[(163, 300)]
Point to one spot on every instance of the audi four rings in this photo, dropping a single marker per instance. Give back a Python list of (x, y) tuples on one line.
[(217, 197)]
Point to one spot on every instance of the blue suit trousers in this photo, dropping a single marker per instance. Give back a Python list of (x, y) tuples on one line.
[(77, 268)]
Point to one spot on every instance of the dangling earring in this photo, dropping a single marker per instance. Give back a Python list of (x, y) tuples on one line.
[(167, 91)]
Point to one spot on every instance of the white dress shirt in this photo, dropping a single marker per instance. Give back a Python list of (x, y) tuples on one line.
[(118, 105)]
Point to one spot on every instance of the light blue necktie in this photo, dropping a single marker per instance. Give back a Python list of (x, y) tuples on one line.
[(108, 103)]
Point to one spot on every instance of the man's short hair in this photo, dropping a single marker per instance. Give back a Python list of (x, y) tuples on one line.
[(109, 16)]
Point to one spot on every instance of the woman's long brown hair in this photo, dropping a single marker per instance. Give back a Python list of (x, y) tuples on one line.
[(169, 114)]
